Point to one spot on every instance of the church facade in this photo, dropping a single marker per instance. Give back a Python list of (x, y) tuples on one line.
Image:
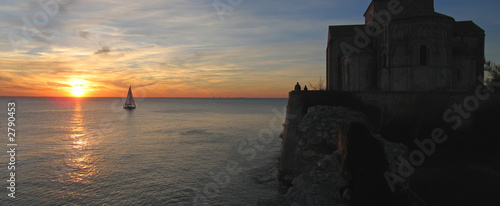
[(405, 45)]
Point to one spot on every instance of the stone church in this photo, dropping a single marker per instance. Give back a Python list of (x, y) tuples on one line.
[(405, 45)]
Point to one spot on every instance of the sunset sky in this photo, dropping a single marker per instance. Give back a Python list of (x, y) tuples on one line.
[(180, 48)]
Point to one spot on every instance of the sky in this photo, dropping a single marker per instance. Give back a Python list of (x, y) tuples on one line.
[(183, 48)]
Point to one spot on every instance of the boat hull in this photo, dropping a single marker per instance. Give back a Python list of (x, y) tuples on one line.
[(128, 106)]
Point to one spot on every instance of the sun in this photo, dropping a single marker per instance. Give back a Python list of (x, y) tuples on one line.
[(77, 88), (77, 91)]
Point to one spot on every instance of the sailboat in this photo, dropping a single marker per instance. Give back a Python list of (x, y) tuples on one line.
[(129, 103)]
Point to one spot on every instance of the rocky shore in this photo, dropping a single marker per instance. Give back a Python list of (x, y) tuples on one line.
[(315, 179)]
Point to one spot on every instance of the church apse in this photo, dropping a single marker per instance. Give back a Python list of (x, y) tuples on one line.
[(404, 46)]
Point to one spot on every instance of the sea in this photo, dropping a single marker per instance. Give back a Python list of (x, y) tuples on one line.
[(168, 151)]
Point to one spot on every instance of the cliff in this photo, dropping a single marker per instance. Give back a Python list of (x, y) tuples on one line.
[(316, 162), (308, 162), (398, 116)]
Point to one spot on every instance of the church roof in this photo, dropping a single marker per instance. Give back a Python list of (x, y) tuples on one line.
[(466, 26)]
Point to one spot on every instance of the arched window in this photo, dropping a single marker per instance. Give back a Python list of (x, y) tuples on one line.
[(423, 55)]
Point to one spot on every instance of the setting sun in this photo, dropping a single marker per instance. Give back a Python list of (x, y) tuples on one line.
[(77, 88), (77, 91)]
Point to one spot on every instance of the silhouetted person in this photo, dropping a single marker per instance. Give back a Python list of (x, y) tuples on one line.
[(363, 163), (305, 88), (297, 87)]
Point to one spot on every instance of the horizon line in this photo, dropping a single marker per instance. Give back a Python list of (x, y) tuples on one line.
[(154, 97)]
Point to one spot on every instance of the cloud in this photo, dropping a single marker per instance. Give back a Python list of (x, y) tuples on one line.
[(5, 79), (145, 85), (103, 51), (84, 34), (55, 84)]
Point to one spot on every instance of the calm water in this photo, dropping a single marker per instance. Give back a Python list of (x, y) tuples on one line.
[(166, 152)]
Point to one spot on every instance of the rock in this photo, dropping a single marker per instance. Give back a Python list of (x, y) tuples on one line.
[(317, 131), (308, 153), (319, 187), (319, 181)]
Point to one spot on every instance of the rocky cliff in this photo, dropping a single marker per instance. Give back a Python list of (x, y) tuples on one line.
[(314, 176)]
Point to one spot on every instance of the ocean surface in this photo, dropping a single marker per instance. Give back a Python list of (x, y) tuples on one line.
[(90, 151)]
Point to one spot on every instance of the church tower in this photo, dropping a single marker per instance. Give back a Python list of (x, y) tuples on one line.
[(427, 5)]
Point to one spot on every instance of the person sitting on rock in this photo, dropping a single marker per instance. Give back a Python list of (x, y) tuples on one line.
[(297, 87), (362, 164), (305, 88)]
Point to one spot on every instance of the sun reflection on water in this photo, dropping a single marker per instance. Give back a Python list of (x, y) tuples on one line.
[(81, 161)]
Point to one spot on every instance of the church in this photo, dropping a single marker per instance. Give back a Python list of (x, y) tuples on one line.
[(404, 45)]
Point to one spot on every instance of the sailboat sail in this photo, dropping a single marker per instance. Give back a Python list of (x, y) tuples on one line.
[(129, 103)]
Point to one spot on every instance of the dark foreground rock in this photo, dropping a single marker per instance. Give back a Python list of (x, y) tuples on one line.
[(319, 181)]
